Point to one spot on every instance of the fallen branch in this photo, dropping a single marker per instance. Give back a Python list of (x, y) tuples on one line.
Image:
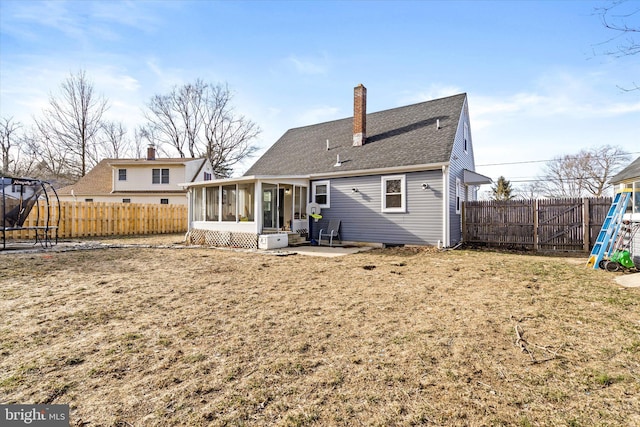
[(523, 345)]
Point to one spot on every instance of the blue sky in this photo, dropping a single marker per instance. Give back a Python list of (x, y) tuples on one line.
[(537, 81)]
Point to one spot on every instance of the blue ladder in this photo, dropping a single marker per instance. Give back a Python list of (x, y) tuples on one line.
[(610, 228)]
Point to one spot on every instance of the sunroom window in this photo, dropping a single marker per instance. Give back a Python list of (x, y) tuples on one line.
[(197, 204), (246, 198), (213, 203), (229, 203), (300, 209)]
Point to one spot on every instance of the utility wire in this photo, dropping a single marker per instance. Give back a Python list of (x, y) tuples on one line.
[(550, 160)]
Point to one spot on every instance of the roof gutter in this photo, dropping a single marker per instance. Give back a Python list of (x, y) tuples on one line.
[(381, 171)]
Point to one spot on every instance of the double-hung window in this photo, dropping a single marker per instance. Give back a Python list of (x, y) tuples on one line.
[(160, 176), (394, 193), (321, 193), (122, 174)]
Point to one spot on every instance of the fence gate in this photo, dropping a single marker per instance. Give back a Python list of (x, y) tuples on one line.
[(560, 225), (570, 224)]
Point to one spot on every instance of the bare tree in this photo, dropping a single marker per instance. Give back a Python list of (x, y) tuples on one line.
[(9, 139), (191, 102), (617, 16), (166, 122), (139, 136), (72, 122), (114, 141), (51, 160), (18, 158), (531, 190), (199, 119), (228, 137), (584, 174), (149, 135)]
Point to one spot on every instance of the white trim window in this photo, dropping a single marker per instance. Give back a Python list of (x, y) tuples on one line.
[(122, 174), (160, 176), (394, 193), (321, 191)]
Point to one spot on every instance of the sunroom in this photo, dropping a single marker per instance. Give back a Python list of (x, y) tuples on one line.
[(236, 212)]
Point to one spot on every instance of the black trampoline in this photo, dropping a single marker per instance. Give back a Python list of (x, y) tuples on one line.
[(19, 196)]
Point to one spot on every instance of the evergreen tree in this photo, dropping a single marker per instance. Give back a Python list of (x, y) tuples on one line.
[(502, 189)]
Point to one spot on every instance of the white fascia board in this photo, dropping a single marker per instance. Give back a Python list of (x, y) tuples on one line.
[(150, 163), (276, 179), (381, 171)]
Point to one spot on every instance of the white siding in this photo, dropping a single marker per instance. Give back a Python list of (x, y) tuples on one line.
[(139, 178)]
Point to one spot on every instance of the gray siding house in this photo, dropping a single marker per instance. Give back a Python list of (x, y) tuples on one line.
[(395, 177)]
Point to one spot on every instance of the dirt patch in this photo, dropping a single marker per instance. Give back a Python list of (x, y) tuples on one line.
[(401, 336)]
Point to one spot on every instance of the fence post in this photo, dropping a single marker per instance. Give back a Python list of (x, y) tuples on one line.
[(536, 211), (464, 221), (585, 225)]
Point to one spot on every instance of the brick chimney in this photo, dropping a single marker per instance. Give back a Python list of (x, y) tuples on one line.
[(151, 152), (359, 115)]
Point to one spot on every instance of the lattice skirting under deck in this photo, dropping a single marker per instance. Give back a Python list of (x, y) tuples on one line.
[(222, 239)]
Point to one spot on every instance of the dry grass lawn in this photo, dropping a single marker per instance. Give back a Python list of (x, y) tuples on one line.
[(146, 336)]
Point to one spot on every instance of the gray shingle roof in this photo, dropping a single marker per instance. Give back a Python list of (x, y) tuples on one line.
[(403, 136), (630, 172)]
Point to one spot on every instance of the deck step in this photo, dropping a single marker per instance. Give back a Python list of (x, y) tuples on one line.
[(296, 239)]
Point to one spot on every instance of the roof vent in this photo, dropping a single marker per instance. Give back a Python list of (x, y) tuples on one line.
[(437, 123), (338, 162)]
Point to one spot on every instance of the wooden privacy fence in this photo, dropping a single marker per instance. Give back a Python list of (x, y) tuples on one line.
[(569, 224), (84, 219)]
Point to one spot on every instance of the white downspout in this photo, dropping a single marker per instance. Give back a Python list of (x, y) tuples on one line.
[(189, 210), (257, 207), (446, 235)]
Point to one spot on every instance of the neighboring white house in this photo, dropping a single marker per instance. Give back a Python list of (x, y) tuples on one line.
[(149, 180), (629, 177), (395, 177)]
